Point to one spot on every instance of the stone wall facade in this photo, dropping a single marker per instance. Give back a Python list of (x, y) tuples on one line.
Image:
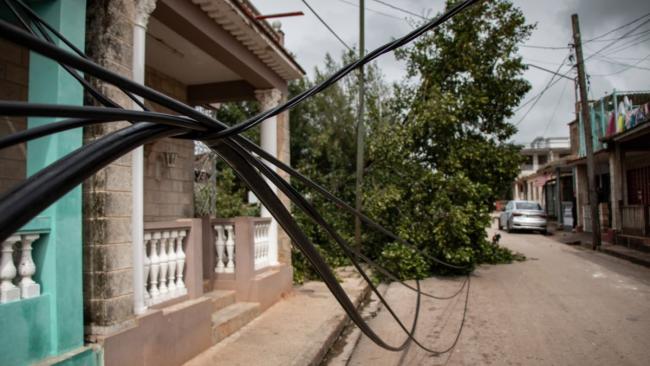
[(14, 74), (168, 190), (108, 263)]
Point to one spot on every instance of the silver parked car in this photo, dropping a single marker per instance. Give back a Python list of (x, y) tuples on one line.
[(523, 215)]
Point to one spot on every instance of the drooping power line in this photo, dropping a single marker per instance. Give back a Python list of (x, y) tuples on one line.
[(327, 25), (400, 9)]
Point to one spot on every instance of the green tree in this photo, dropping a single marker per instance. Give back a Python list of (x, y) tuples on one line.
[(435, 174), (323, 147)]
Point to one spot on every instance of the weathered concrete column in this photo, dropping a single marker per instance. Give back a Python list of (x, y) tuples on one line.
[(616, 184), (558, 195), (515, 194), (143, 10), (269, 99), (108, 236)]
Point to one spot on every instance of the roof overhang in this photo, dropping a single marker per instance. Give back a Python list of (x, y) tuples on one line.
[(217, 51)]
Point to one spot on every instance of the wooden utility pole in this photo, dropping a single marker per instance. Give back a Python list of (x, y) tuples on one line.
[(361, 130), (586, 124)]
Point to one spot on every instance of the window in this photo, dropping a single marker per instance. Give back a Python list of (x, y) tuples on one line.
[(542, 159), (528, 206)]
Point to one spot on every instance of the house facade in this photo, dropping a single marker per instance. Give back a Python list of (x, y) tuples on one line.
[(620, 129), (529, 184), (119, 271)]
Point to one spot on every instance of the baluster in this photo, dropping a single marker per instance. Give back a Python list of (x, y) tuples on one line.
[(164, 266), (27, 268), (256, 246), (265, 244), (171, 257), (230, 249), (219, 243), (180, 263), (155, 268), (147, 267), (8, 291)]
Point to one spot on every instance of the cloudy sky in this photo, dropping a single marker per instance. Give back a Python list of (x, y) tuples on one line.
[(310, 41)]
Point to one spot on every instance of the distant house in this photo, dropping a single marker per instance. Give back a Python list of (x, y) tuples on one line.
[(122, 271), (529, 184)]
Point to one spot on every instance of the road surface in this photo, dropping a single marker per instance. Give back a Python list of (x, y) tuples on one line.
[(562, 306)]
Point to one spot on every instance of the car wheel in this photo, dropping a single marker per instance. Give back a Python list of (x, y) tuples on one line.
[(508, 227), (544, 232)]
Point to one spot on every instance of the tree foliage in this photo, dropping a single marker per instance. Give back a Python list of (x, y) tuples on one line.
[(437, 150), (435, 174)]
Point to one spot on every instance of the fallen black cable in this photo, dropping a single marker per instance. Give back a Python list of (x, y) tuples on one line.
[(76, 166), (59, 55), (37, 192), (306, 207), (339, 202), (313, 214), (40, 24)]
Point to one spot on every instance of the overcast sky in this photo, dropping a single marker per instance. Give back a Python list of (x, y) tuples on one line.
[(310, 41)]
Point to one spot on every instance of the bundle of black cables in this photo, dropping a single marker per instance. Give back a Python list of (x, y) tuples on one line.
[(30, 197)]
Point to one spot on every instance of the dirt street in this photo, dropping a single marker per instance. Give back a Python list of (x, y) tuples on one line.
[(562, 306)]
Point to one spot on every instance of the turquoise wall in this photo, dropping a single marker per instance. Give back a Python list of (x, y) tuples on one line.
[(52, 323)]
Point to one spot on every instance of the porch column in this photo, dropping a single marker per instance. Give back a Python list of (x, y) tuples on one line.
[(269, 99), (143, 10), (516, 190), (616, 184), (558, 195)]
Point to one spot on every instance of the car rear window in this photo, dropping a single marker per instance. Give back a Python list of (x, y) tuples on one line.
[(528, 206)]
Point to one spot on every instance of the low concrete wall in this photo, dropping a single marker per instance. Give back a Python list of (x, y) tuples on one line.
[(170, 336)]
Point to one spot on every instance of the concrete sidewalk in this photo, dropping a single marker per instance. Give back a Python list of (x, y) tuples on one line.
[(298, 330), (585, 239)]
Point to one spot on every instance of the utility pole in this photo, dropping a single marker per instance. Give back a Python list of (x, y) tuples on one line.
[(361, 130), (586, 124)]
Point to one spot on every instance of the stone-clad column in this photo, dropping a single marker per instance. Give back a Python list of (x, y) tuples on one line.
[(269, 99), (108, 250)]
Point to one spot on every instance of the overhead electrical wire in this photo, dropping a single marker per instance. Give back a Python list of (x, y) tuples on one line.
[(557, 105), (372, 10), (326, 25), (41, 189), (594, 39), (549, 71), (616, 40), (616, 29), (400, 9), (628, 67), (536, 99)]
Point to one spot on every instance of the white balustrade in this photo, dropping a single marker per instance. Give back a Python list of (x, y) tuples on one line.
[(225, 246), (261, 244), (164, 263), (23, 286)]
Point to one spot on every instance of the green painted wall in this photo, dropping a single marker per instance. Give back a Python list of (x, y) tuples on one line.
[(61, 271), (52, 324)]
